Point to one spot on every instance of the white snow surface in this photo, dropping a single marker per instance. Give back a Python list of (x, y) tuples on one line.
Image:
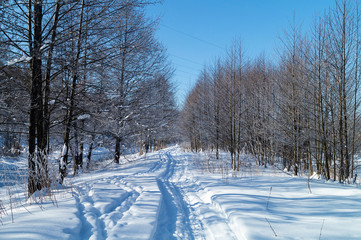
[(167, 195), (17, 60)]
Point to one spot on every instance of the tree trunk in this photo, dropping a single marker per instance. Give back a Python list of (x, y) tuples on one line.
[(355, 94), (47, 75), (88, 158), (76, 148), (64, 158), (36, 160), (117, 150)]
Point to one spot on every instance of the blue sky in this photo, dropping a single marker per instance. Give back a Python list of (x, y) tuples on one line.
[(195, 32)]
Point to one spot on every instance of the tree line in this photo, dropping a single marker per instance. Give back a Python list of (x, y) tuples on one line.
[(301, 111), (75, 73)]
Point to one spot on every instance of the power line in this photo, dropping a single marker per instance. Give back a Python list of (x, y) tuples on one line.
[(194, 37), (186, 59), (186, 67), (185, 72)]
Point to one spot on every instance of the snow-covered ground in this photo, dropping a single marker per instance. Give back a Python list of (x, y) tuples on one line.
[(167, 195)]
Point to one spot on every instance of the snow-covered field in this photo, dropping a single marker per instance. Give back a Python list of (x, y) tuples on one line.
[(167, 195)]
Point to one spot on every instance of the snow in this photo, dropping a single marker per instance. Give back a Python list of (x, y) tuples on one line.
[(84, 116), (17, 60), (63, 153), (173, 194)]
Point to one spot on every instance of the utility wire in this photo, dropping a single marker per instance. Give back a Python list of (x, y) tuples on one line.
[(186, 67), (186, 59), (191, 36)]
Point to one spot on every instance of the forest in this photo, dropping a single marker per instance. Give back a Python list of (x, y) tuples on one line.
[(300, 110), (81, 73), (95, 145)]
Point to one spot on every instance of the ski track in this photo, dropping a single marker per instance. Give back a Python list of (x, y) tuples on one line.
[(154, 197), (206, 216), (107, 204), (162, 195), (174, 213), (116, 206), (97, 215)]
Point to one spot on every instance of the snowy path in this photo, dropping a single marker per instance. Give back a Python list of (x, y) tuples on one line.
[(164, 196), (125, 204), (135, 202)]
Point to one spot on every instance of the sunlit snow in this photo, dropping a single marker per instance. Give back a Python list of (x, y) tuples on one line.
[(173, 194)]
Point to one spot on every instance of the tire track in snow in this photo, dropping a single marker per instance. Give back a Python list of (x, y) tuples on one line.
[(206, 215), (92, 225), (98, 221), (116, 212), (140, 220), (156, 166), (85, 232), (99, 216), (173, 217), (109, 207)]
